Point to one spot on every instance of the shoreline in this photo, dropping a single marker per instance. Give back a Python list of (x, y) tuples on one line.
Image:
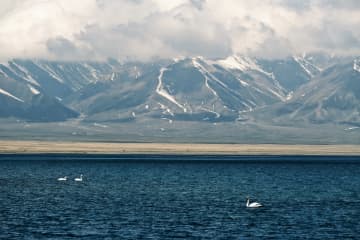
[(63, 147)]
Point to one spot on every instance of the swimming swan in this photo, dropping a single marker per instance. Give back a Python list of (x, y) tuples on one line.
[(79, 179), (62, 178), (253, 204)]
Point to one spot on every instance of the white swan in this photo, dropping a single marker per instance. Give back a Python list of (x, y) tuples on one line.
[(79, 179), (62, 178), (253, 204)]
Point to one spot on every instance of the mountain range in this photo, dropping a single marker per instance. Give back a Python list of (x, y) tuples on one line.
[(313, 91)]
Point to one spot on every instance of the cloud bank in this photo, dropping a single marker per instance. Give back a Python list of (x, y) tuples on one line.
[(147, 29)]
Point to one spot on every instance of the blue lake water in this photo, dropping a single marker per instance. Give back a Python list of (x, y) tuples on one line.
[(171, 197)]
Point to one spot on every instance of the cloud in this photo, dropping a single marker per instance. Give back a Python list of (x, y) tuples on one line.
[(146, 29), (199, 4)]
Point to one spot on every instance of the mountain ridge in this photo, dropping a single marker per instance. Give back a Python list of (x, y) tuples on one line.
[(237, 88)]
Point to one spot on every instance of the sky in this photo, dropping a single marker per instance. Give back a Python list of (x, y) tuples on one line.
[(148, 29)]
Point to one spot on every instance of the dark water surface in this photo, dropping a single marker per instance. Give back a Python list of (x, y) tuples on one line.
[(155, 197)]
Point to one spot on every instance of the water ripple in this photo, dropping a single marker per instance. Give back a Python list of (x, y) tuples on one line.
[(180, 200)]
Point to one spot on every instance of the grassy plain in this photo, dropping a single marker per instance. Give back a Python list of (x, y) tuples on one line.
[(9, 146)]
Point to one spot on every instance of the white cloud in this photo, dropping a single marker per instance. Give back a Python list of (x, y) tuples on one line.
[(143, 29)]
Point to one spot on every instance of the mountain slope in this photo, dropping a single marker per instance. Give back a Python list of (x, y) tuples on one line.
[(187, 89), (333, 96), (26, 101)]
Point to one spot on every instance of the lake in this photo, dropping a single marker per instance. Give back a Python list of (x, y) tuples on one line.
[(176, 196)]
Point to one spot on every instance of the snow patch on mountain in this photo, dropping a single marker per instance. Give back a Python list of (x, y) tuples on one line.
[(33, 90), (207, 73), (303, 66), (112, 77), (307, 66), (47, 69), (100, 125), (162, 92), (137, 72), (281, 97), (217, 115), (289, 96), (243, 64), (210, 88), (3, 73), (166, 109), (243, 83), (92, 71), (204, 73), (26, 74), (6, 93), (351, 128), (178, 59), (356, 66)]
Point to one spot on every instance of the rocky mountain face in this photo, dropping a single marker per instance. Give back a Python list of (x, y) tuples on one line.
[(333, 96), (306, 89)]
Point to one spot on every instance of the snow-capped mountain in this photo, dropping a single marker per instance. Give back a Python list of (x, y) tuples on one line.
[(186, 89), (195, 89), (34, 90), (331, 97), (25, 100)]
